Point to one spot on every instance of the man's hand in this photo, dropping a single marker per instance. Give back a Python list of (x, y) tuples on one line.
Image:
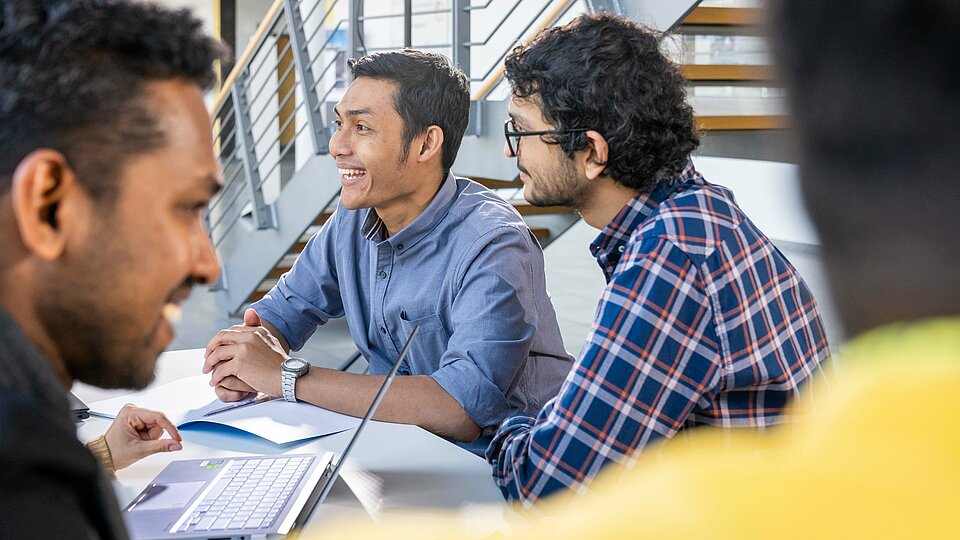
[(244, 359), (135, 434)]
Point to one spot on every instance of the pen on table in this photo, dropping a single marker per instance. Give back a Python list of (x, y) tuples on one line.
[(262, 398)]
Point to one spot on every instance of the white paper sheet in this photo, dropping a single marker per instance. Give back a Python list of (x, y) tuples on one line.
[(186, 400)]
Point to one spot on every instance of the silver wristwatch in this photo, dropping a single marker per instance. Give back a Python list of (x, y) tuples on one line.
[(290, 370)]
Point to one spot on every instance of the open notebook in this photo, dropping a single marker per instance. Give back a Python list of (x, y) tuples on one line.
[(185, 402)]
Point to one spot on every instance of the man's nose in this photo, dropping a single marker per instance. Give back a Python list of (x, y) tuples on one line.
[(206, 264)]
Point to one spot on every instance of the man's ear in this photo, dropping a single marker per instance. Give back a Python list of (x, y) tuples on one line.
[(430, 144), (594, 156), (41, 183)]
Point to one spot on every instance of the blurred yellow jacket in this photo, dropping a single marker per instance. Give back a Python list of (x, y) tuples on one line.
[(876, 454)]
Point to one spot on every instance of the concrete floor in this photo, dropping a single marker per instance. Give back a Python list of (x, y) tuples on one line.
[(573, 279)]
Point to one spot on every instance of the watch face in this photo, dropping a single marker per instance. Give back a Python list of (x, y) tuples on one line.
[(296, 365)]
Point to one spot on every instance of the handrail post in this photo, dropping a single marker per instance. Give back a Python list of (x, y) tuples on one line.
[(461, 58), (221, 283), (298, 42), (461, 35), (354, 12), (408, 24), (264, 215)]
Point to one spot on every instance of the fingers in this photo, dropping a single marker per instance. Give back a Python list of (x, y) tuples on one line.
[(228, 396), (221, 354), (251, 318), (223, 370), (235, 384), (162, 445), (234, 334), (152, 423)]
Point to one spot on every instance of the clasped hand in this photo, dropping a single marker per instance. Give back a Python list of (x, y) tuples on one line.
[(243, 360)]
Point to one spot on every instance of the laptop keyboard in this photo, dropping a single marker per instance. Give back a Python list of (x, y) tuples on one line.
[(249, 495)]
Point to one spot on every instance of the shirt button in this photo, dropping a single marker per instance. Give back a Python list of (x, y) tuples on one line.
[(383, 330), (399, 247), (382, 274), (621, 249)]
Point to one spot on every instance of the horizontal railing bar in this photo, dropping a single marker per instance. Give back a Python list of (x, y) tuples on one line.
[(499, 24), (512, 44), (275, 93), (320, 27), (226, 210), (313, 10), (276, 142), (252, 100), (254, 71), (472, 8), (423, 46), (327, 42), (279, 107), (268, 21), (282, 154), (398, 15), (490, 84), (229, 187), (322, 73)]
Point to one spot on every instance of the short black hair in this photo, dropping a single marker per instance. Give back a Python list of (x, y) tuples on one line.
[(877, 108), (72, 74), (608, 74), (430, 92)]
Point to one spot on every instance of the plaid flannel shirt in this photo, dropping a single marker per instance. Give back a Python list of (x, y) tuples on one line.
[(703, 321)]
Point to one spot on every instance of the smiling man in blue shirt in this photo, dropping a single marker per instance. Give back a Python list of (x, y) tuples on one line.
[(409, 245)]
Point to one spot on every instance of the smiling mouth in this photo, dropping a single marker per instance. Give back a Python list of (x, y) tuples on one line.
[(352, 174), (172, 313)]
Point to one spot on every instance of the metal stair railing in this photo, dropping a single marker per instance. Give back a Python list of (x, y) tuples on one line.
[(270, 119), (271, 137)]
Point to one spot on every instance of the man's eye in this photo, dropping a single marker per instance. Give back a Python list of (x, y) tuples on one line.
[(361, 127), (194, 208), (337, 124)]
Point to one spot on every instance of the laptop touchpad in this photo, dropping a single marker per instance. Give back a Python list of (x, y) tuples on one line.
[(167, 496)]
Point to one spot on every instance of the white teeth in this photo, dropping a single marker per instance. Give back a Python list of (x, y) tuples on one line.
[(352, 172), (172, 313)]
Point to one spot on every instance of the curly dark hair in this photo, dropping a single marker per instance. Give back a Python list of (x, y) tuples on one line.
[(608, 74), (430, 92), (72, 75)]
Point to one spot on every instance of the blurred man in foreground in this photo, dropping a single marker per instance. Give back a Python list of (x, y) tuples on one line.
[(106, 165)]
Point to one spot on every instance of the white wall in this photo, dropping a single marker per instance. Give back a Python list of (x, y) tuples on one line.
[(202, 9)]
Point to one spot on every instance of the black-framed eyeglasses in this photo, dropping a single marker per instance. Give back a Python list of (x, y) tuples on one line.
[(509, 133)]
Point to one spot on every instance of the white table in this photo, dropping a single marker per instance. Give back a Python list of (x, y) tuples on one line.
[(419, 470)]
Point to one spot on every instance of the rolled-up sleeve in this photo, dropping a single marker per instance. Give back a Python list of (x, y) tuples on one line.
[(494, 318), (308, 295)]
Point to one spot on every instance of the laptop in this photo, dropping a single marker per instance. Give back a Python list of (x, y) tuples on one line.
[(78, 409), (241, 497)]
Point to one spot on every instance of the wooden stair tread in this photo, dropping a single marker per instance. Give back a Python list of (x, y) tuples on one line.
[(743, 122), (727, 72), (720, 16)]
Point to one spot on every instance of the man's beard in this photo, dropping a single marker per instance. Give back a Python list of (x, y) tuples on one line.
[(557, 187), (97, 347), (89, 314)]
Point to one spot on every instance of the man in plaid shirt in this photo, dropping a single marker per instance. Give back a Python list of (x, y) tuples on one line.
[(703, 320)]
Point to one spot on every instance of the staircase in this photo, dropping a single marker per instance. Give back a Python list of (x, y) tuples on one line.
[(271, 120)]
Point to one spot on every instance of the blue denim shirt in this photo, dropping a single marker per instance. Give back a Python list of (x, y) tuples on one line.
[(467, 270)]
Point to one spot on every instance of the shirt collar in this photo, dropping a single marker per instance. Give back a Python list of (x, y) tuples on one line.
[(373, 228), (612, 241)]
